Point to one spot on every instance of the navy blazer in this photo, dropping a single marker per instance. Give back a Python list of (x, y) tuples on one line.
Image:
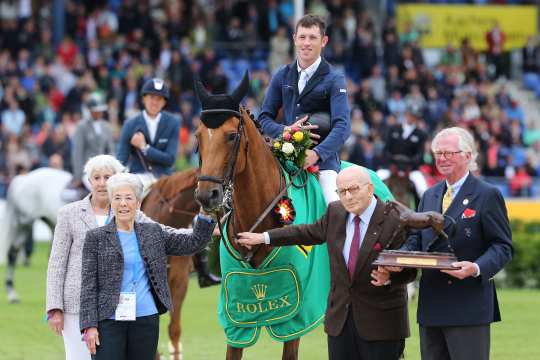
[(484, 238), (161, 155), (325, 91), (412, 146)]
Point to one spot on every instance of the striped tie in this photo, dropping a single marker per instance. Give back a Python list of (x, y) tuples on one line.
[(447, 199)]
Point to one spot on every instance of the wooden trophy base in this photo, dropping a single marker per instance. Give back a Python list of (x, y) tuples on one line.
[(417, 259)]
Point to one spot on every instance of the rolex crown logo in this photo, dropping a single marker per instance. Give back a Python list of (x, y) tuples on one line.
[(259, 290)]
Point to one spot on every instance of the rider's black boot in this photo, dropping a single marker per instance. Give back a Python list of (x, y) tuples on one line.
[(200, 261)]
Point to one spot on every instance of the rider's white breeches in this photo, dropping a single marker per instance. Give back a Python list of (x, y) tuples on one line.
[(327, 179), (415, 176)]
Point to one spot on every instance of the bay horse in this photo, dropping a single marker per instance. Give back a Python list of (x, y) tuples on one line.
[(238, 167), (171, 202)]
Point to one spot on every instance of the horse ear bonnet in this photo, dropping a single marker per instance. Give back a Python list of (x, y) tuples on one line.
[(218, 108)]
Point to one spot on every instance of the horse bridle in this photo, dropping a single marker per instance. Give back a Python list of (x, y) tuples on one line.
[(227, 181)]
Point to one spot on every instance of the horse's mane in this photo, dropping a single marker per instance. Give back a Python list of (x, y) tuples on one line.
[(252, 117), (249, 119), (177, 182)]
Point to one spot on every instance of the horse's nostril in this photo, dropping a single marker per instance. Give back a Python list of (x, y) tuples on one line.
[(215, 194)]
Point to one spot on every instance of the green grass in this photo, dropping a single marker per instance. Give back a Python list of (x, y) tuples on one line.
[(24, 333)]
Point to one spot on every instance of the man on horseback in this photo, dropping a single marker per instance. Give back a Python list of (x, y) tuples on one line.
[(307, 86), (148, 147)]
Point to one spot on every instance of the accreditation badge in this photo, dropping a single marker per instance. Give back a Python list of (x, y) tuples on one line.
[(126, 309)]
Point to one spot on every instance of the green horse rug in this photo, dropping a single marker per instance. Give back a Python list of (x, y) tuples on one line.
[(287, 293)]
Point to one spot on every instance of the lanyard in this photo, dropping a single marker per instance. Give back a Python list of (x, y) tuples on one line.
[(135, 276)]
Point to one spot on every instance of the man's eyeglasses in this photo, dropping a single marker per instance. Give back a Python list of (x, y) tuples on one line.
[(353, 190), (446, 154)]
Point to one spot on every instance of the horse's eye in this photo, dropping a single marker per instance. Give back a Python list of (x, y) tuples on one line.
[(231, 136)]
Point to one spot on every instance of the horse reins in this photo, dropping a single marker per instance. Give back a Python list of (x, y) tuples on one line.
[(147, 167), (227, 180), (170, 204)]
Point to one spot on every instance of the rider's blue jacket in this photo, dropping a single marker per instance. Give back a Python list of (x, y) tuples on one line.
[(161, 154), (326, 91)]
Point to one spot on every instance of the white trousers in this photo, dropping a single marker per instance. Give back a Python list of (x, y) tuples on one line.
[(415, 176), (327, 179), (75, 347), (147, 180)]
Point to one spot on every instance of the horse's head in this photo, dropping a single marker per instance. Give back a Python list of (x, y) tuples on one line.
[(222, 143)]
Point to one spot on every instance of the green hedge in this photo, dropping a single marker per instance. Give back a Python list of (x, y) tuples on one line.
[(524, 269)]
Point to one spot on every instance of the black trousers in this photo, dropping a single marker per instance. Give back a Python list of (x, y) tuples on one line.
[(128, 340), (455, 342), (348, 346)]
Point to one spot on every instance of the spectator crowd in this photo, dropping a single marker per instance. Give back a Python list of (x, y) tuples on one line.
[(112, 47)]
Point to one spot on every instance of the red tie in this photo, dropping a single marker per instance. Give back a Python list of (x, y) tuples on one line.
[(355, 247)]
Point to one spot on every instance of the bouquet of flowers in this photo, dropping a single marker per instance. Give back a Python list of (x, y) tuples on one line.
[(292, 146)]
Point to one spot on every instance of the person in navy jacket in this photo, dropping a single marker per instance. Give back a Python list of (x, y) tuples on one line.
[(306, 86), (149, 141), (456, 307), (148, 147)]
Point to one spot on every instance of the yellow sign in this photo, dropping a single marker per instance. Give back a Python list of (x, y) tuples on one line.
[(440, 25), (524, 210)]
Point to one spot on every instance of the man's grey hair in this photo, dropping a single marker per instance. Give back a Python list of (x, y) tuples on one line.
[(102, 162), (466, 143), (125, 179)]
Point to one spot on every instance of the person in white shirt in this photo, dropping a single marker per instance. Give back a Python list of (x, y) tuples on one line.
[(303, 89)]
